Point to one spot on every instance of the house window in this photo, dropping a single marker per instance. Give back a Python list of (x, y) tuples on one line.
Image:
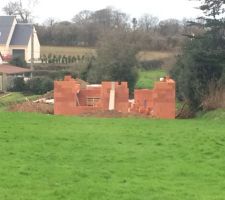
[(92, 101)]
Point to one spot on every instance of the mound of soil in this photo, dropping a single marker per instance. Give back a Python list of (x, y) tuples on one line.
[(2, 94), (30, 106), (83, 84), (48, 95)]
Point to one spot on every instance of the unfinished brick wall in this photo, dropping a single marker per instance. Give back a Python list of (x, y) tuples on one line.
[(65, 96), (164, 102), (84, 94), (71, 99), (121, 96), (159, 102), (143, 100)]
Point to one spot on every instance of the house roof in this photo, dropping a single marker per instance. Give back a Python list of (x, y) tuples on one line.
[(9, 69), (6, 23), (22, 34)]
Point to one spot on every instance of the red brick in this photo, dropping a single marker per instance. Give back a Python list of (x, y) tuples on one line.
[(159, 102)]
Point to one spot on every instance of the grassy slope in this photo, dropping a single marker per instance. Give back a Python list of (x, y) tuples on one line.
[(147, 78), (215, 115), (48, 157), (14, 97)]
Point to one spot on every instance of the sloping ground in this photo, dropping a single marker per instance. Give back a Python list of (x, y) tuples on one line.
[(147, 79), (215, 115), (30, 106), (48, 157), (11, 98), (17, 101)]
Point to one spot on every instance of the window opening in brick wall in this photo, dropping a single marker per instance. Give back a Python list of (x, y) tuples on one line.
[(92, 101)]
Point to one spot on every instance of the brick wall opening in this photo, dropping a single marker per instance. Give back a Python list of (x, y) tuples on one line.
[(93, 101)]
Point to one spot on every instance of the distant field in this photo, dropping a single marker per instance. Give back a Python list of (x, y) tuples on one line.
[(155, 55), (75, 51), (48, 158), (68, 51)]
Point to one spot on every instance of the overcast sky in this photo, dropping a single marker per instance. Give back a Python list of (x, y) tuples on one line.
[(66, 9)]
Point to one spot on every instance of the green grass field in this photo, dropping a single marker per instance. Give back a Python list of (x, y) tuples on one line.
[(147, 78), (49, 157)]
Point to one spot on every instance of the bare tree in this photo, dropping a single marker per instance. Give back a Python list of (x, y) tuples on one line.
[(82, 18), (17, 8), (92, 24), (148, 22), (109, 18), (169, 27)]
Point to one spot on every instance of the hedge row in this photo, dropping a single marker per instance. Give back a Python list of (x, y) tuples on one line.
[(35, 85), (55, 75), (62, 59)]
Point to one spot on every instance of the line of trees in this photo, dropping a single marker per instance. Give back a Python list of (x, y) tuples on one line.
[(87, 27)]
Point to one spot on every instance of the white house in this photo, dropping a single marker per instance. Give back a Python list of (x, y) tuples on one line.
[(16, 39)]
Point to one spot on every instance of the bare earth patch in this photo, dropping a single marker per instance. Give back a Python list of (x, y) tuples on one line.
[(30, 106)]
